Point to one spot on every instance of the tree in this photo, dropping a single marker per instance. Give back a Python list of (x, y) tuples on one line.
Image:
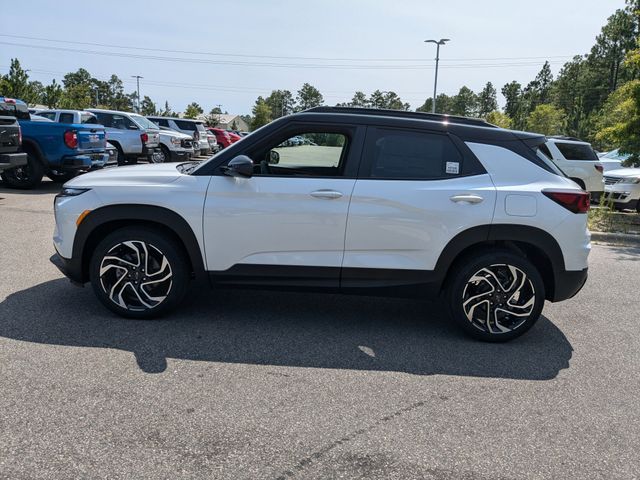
[(281, 103), (387, 100), (147, 107), (261, 114), (212, 119), (52, 95), (487, 101), (193, 110), (166, 111), (499, 119), (359, 100), (444, 104), (117, 99), (465, 103), (547, 119), (308, 97), (512, 93), (16, 84), (619, 121)]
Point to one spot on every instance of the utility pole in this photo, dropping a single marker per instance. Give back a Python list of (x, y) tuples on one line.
[(442, 41), (137, 77)]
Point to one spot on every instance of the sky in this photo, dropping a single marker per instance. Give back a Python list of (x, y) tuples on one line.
[(228, 53)]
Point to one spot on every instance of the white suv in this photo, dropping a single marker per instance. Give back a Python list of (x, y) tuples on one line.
[(375, 202), (578, 161)]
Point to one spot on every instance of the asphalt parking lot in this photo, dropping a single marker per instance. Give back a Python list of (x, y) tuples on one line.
[(252, 385)]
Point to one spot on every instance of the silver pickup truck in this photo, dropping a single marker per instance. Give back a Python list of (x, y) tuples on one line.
[(133, 135)]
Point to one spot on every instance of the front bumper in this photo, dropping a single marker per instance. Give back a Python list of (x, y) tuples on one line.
[(568, 283), (71, 268), (11, 160), (622, 195)]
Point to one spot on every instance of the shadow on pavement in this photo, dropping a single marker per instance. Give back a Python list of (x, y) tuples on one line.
[(284, 329), (46, 187)]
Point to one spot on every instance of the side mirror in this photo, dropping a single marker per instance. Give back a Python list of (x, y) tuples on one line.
[(240, 166), (274, 157)]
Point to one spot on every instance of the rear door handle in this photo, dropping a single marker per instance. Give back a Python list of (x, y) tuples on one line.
[(327, 194), (466, 198)]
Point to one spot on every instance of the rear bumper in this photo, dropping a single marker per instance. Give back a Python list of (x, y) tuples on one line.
[(11, 160), (81, 162), (568, 283), (71, 268)]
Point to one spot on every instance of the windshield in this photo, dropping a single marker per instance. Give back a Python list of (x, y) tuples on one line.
[(143, 122)]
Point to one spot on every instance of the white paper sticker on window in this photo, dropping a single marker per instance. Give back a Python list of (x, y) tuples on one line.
[(453, 168)]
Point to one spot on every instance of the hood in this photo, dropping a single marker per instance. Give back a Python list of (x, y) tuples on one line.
[(141, 175), (624, 172)]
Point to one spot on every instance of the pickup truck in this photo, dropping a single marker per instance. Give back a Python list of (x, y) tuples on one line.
[(133, 135), (10, 143), (57, 150)]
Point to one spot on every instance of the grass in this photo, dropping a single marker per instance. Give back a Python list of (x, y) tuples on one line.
[(603, 218)]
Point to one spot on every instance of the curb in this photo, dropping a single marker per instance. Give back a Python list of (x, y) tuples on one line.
[(620, 239)]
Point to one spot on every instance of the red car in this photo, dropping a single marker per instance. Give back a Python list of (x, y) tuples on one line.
[(223, 137)]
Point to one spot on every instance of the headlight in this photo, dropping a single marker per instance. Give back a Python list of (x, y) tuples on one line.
[(632, 181), (72, 192), (175, 140)]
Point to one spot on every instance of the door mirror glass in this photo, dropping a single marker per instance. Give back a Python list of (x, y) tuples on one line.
[(240, 166)]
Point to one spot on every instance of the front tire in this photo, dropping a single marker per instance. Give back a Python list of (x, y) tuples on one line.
[(495, 296), (139, 272)]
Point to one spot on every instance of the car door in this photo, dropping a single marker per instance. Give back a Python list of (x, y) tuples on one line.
[(286, 224), (416, 190)]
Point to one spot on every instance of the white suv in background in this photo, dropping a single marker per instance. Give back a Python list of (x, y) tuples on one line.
[(194, 128), (578, 161), (372, 202)]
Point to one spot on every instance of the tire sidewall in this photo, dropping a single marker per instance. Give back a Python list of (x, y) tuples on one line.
[(463, 273), (174, 254), (35, 172)]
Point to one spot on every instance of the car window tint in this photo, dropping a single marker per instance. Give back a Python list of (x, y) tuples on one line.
[(49, 115), (65, 117), (104, 119), (88, 118), (413, 155), (121, 122), (576, 151), (184, 125), (306, 154), (544, 149)]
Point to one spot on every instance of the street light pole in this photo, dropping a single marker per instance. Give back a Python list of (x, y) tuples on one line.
[(137, 77), (442, 41)]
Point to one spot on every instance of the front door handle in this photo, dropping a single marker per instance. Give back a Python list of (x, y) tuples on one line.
[(466, 198), (327, 194)]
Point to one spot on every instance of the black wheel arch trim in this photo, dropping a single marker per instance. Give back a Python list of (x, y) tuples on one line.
[(131, 213)]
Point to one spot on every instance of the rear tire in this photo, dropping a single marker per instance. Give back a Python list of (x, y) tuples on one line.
[(26, 176), (139, 272), (495, 296), (120, 158)]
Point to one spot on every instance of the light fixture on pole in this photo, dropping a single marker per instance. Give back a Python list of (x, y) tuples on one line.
[(442, 41)]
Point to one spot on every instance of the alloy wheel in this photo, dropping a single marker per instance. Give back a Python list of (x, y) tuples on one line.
[(498, 299), (135, 275)]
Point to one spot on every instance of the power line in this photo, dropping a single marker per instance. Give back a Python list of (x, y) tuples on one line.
[(273, 64), (272, 57)]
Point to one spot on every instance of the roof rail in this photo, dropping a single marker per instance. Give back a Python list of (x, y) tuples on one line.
[(436, 117)]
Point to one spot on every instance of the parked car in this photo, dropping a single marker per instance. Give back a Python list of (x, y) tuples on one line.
[(193, 128), (133, 135), (388, 203), (222, 136), (613, 160), (70, 116), (174, 146), (213, 142), (234, 136), (55, 149), (622, 188), (10, 139), (578, 161)]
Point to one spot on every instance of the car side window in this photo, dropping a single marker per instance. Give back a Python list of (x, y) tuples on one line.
[(66, 118), (121, 122), (163, 122), (105, 119), (305, 154), (88, 118), (50, 115), (412, 155)]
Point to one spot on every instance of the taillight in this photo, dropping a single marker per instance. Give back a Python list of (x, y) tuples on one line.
[(576, 202), (144, 137), (71, 138), (599, 167), (19, 135)]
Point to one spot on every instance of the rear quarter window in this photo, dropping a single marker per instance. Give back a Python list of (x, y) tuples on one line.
[(576, 151), (184, 125), (66, 118), (412, 155)]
